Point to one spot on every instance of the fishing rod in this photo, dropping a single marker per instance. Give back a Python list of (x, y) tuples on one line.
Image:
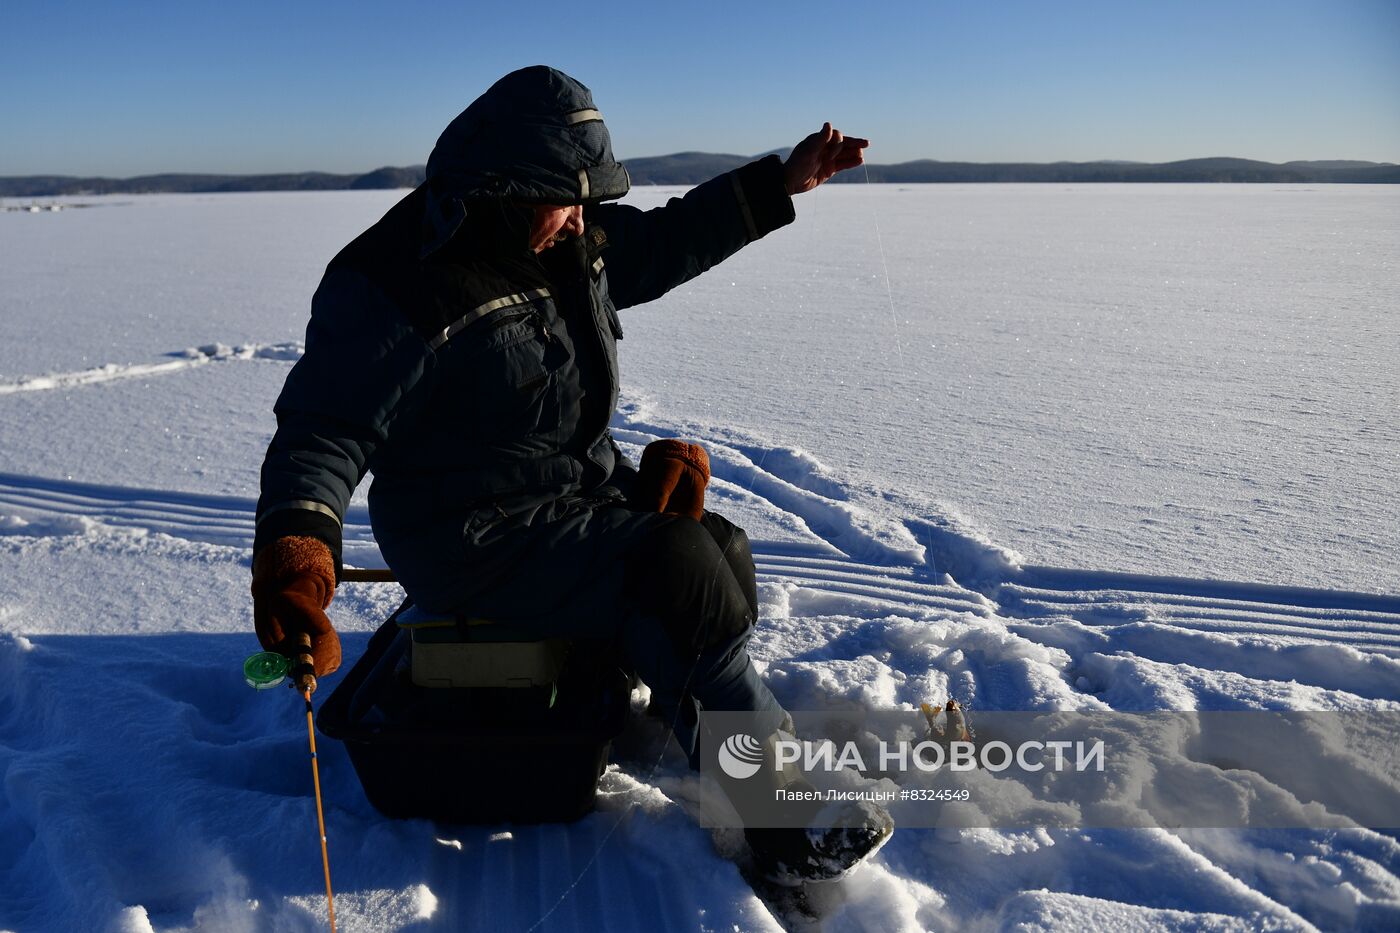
[(268, 669)]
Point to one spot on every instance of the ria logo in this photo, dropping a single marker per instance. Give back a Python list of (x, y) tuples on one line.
[(740, 756)]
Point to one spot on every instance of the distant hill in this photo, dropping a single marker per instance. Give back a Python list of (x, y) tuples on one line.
[(689, 168), (42, 186), (682, 168), (1333, 163)]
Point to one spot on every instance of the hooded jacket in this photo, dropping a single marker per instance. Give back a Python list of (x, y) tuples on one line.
[(474, 378)]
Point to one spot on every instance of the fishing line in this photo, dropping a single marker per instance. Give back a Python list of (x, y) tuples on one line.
[(622, 814), (655, 766), (894, 318), (884, 264), (651, 773), (867, 449)]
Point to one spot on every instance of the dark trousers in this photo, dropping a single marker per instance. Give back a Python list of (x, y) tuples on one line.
[(677, 596), (699, 586)]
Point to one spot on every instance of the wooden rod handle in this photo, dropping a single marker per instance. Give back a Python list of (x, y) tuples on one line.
[(304, 665)]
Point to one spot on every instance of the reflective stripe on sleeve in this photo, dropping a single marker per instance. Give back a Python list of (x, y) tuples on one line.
[(481, 311), (309, 505), (580, 116)]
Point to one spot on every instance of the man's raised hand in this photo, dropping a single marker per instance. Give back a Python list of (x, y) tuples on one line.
[(820, 156)]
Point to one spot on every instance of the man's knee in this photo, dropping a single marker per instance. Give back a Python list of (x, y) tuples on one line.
[(728, 536), (734, 543), (680, 573)]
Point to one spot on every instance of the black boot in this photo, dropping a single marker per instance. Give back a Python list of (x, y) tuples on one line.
[(831, 841), (840, 837)]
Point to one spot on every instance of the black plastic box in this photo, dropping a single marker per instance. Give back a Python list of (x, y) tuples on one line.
[(478, 755)]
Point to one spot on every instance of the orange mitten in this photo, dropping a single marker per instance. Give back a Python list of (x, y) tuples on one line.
[(672, 478), (293, 582)]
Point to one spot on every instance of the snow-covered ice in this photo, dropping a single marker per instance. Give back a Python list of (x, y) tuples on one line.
[(1096, 447)]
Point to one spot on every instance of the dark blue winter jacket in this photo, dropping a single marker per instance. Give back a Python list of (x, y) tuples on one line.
[(475, 378)]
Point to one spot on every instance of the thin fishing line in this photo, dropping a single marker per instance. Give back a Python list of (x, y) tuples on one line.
[(651, 773), (753, 477), (884, 264), (622, 814), (867, 449), (889, 296)]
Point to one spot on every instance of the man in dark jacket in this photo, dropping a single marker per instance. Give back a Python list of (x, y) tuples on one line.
[(464, 350)]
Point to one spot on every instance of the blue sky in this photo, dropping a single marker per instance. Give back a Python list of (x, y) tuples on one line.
[(91, 87)]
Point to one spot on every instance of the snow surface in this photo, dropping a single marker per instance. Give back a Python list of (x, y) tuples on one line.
[(1126, 447)]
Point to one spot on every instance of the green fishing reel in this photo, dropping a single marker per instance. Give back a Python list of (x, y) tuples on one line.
[(266, 669)]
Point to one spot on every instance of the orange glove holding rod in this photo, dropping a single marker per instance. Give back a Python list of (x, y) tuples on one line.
[(293, 582)]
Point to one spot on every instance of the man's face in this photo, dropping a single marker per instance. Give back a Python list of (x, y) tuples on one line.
[(553, 223)]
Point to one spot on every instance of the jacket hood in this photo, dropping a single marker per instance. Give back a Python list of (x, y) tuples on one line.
[(533, 137)]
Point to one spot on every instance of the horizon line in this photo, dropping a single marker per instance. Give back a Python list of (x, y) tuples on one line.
[(415, 166)]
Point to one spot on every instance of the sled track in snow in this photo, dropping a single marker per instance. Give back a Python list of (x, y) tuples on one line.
[(223, 520), (786, 481), (228, 521), (1367, 622), (890, 585), (182, 360)]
